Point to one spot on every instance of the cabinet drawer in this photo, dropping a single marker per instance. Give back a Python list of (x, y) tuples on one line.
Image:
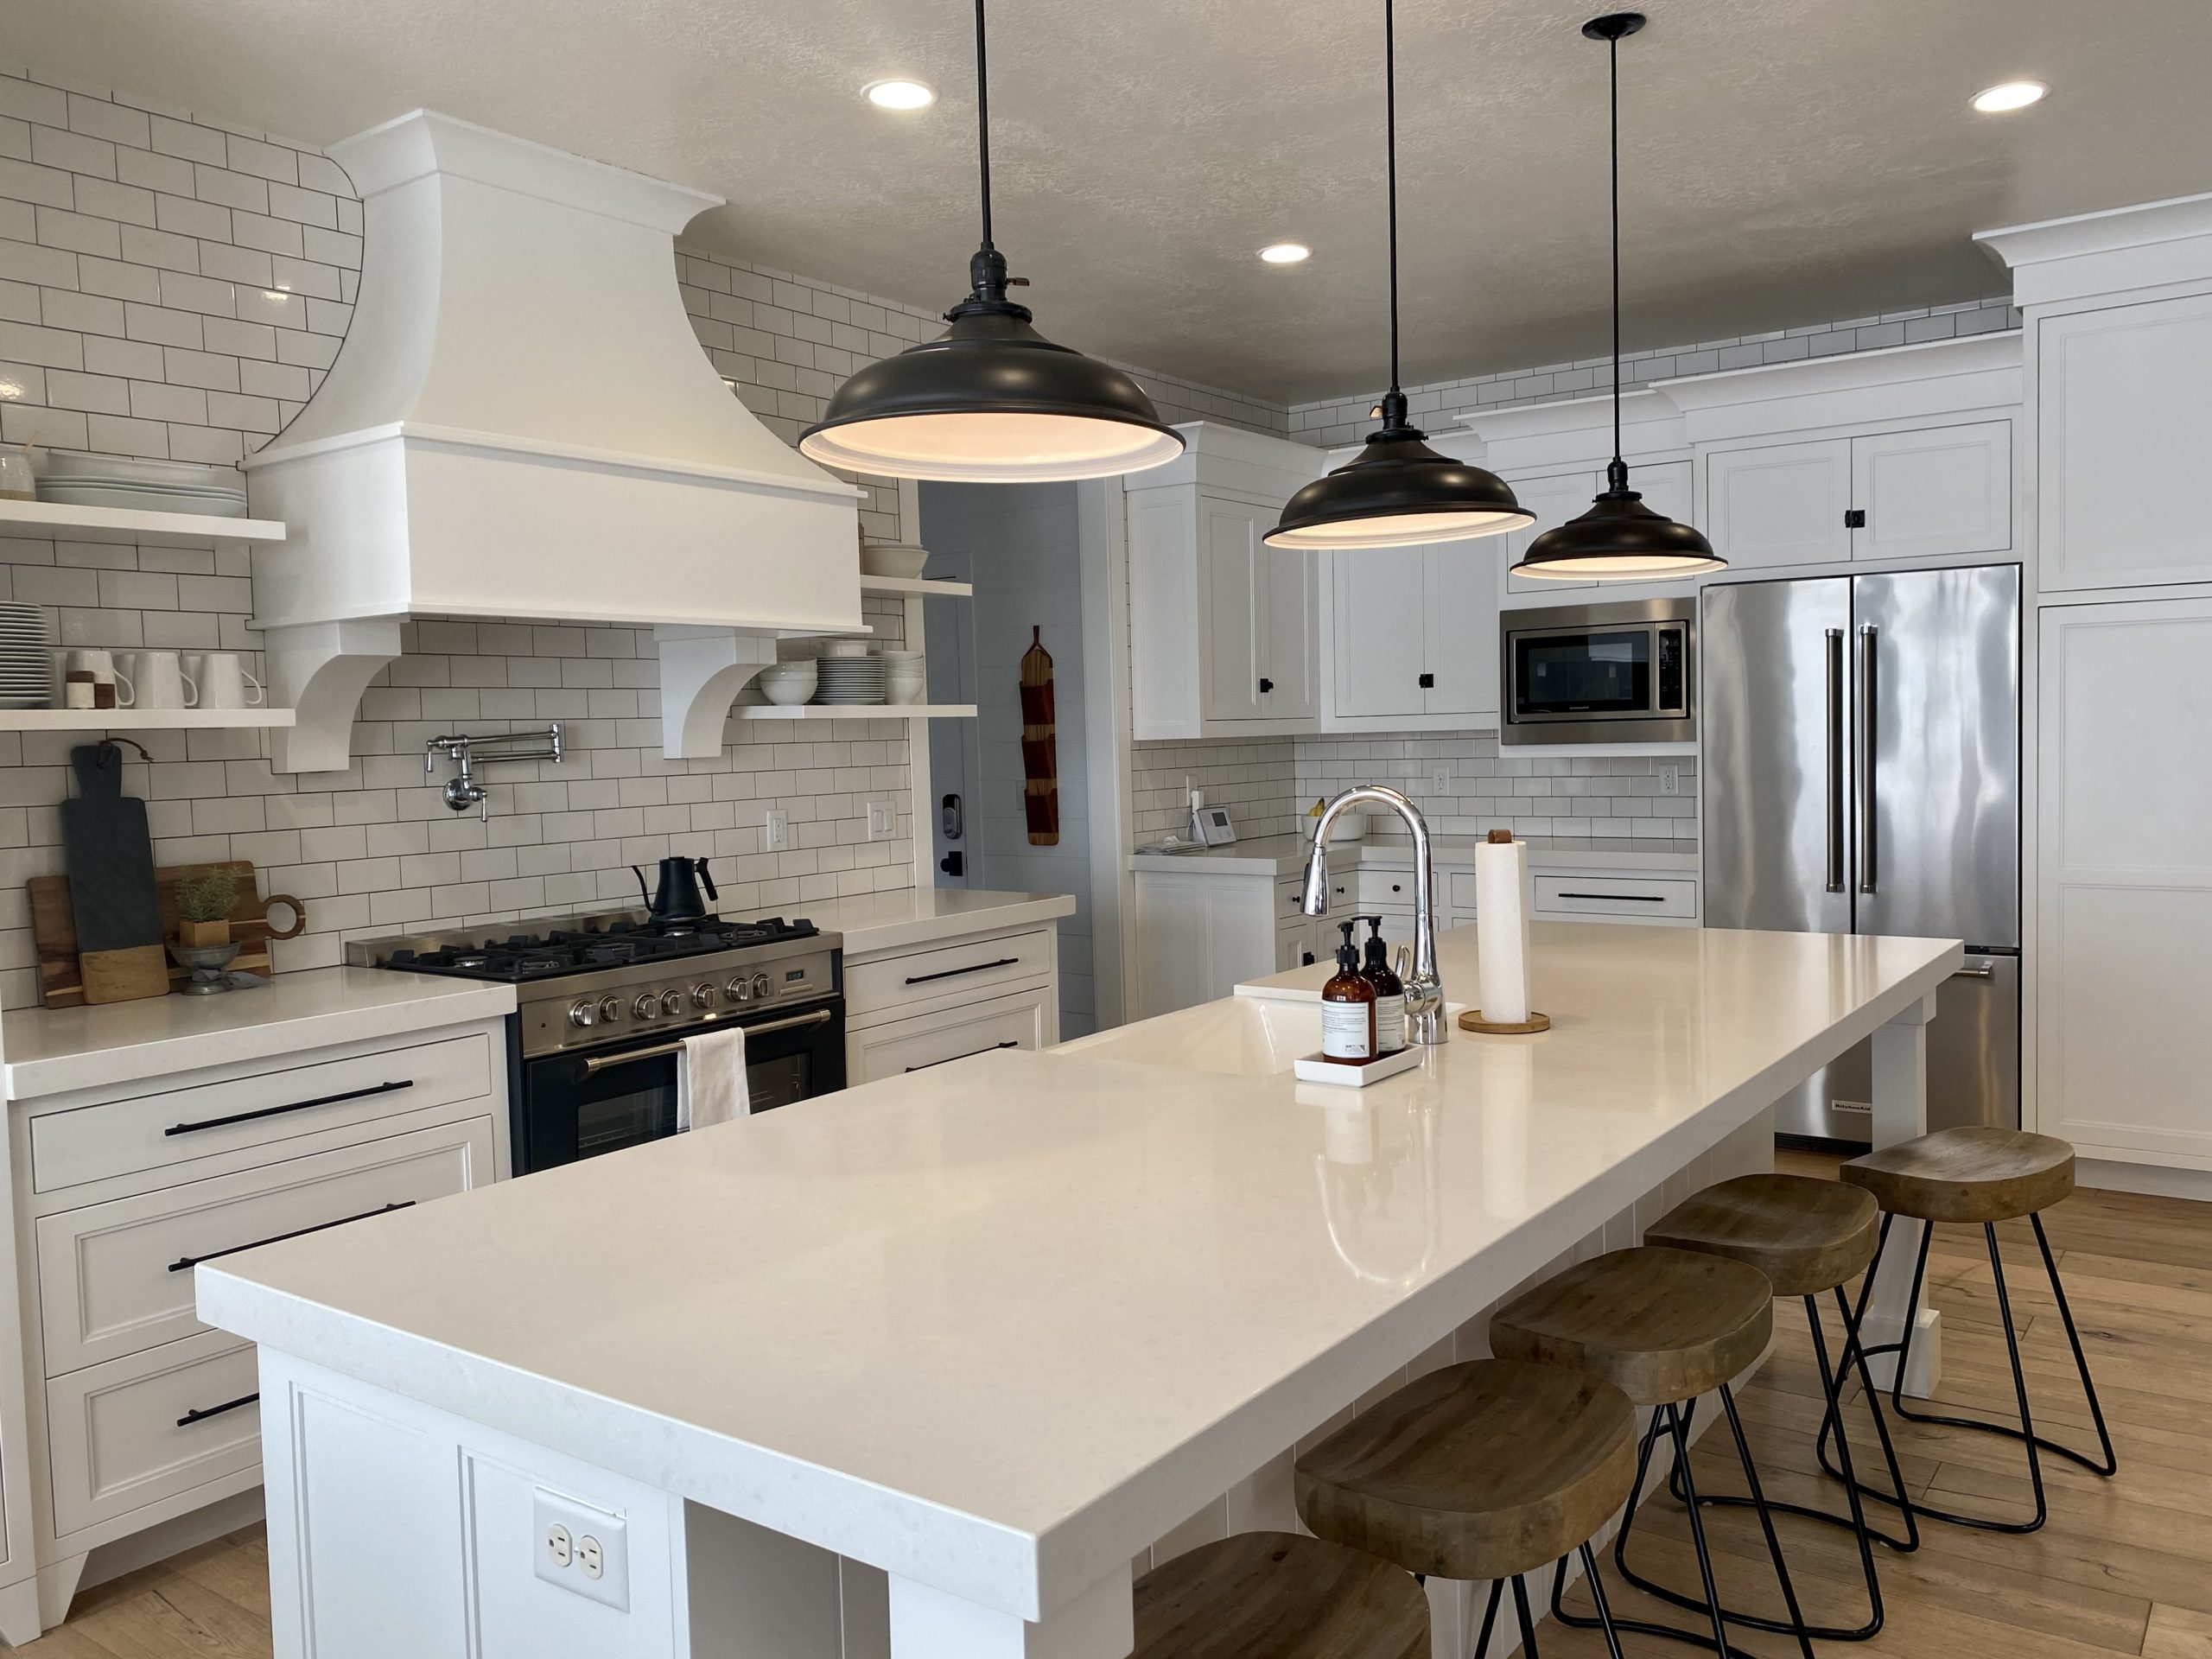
[(1459, 892), (118, 1137), (1386, 889), (135, 1431), (116, 1278), (973, 968), (1604, 895), (1026, 1020)]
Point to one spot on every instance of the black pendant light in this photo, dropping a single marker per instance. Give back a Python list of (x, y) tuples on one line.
[(990, 401), (1397, 492), (1619, 539)]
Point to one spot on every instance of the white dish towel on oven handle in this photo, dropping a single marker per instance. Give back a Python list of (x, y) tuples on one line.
[(710, 1085)]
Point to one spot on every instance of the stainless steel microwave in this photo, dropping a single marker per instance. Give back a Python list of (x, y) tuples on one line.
[(1620, 673)]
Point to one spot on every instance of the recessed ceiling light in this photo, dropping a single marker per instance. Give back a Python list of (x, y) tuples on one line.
[(2009, 95), (1285, 253), (898, 94)]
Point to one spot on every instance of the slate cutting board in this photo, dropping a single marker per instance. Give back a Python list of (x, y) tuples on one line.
[(112, 893)]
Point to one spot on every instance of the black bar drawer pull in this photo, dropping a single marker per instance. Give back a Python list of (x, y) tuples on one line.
[(969, 1055), (955, 972), (296, 1106), (192, 1417), (184, 1263), (1621, 898)]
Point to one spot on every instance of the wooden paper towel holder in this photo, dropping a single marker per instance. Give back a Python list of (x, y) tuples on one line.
[(1472, 1020)]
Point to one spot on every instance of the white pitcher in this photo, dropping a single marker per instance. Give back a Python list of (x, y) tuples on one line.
[(225, 680), (161, 680)]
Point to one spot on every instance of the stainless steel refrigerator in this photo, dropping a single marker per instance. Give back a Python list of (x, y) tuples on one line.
[(1862, 774)]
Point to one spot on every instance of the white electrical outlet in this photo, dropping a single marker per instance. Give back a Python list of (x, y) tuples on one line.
[(583, 1550), (1441, 780), (776, 834), (882, 820), (1671, 780)]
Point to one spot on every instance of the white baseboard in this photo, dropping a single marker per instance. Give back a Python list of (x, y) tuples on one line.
[(2159, 1181)]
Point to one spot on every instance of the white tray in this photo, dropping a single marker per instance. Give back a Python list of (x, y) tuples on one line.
[(1313, 1069)]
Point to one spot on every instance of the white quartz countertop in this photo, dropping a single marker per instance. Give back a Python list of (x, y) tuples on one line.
[(1285, 856), (994, 1326), (52, 1050), (889, 921)]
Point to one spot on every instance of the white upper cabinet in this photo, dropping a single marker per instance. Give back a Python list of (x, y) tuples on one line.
[(1930, 492), (1554, 500), (2121, 411), (1224, 632), (1779, 504), (1942, 490), (1415, 631)]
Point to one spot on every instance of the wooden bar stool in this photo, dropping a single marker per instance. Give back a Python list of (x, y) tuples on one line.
[(1664, 1326), (1482, 1471), (1276, 1595), (1986, 1174), (1810, 1238)]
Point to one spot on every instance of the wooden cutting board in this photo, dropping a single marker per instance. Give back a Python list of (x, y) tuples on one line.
[(61, 982), (113, 900)]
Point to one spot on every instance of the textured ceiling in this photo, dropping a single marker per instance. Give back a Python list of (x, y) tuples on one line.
[(1787, 162)]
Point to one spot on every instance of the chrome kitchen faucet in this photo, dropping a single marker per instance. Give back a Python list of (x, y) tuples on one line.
[(1425, 1021)]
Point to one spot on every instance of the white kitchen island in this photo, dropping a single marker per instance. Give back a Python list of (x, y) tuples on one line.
[(921, 1368)]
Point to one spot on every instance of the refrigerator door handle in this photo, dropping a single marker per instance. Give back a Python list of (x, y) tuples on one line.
[(1835, 761), (1869, 637)]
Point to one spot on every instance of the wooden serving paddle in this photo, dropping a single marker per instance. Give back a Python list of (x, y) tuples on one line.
[(112, 897)]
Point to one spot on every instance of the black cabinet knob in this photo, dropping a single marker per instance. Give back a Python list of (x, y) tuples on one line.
[(1428, 681), (1267, 686), (1855, 519)]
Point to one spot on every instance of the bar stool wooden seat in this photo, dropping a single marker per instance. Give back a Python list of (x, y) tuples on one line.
[(1664, 1326), (1277, 1595), (1481, 1471), (1979, 1174), (1810, 1238)]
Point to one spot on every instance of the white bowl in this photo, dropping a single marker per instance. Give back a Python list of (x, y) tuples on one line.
[(781, 686), (844, 647), (892, 559)]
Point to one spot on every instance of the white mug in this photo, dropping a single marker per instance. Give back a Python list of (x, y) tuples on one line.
[(162, 683), (225, 680), (100, 665)]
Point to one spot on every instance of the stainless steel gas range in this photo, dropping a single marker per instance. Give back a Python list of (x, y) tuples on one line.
[(605, 1000)]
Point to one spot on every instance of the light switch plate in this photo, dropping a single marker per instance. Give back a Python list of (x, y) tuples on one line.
[(582, 1549), (882, 820)]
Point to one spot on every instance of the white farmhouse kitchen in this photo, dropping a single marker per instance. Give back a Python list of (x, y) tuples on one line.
[(935, 829)]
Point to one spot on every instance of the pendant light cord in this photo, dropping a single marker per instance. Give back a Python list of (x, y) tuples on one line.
[(1390, 141), (983, 118), (1613, 88)]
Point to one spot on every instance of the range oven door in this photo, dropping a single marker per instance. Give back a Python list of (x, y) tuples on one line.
[(582, 1105)]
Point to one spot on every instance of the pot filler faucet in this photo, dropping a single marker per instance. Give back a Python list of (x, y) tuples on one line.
[(1425, 1021)]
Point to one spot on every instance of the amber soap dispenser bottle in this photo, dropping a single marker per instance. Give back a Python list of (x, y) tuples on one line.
[(1348, 1009)]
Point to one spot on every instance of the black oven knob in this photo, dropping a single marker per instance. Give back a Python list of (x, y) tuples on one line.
[(762, 987), (671, 1002), (610, 1010), (585, 1012), (647, 1007), (738, 989), (702, 996)]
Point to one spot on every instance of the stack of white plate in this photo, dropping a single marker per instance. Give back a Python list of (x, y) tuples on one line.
[(849, 680), (905, 675), (71, 480), (26, 657)]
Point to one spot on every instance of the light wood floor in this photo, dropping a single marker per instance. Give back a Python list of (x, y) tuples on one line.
[(2124, 1566)]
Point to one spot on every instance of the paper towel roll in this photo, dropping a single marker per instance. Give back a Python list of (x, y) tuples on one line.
[(1505, 894)]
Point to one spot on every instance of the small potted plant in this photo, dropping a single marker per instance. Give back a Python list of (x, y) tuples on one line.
[(203, 907)]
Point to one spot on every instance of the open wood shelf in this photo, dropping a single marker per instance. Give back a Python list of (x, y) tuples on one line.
[(905, 586), (49, 519), (855, 711), (139, 719)]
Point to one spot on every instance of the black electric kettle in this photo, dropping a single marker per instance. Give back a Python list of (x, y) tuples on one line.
[(678, 900)]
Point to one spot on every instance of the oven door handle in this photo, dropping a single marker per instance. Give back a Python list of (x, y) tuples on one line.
[(661, 1050)]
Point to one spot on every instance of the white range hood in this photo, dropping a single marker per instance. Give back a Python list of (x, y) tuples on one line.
[(521, 424)]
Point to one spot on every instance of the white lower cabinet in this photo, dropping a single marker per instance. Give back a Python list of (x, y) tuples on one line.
[(1022, 1020), (137, 1414), (2123, 881), (908, 1010)]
